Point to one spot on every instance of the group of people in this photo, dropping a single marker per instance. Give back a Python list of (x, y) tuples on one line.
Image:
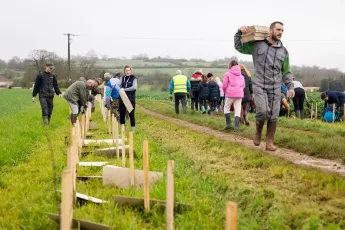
[(82, 91), (268, 92), (272, 68), (212, 96), (270, 89)]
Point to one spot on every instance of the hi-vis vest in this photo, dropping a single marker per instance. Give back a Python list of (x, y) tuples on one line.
[(180, 84)]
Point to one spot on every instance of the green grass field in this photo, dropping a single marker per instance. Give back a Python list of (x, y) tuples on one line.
[(270, 193), (20, 125)]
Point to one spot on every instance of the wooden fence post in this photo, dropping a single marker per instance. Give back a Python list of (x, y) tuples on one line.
[(146, 176), (231, 216), (123, 135), (170, 196), (131, 158)]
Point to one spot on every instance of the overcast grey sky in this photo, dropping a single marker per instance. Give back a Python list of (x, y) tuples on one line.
[(314, 32)]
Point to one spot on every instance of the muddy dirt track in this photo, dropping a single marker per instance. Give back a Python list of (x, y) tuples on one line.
[(287, 154)]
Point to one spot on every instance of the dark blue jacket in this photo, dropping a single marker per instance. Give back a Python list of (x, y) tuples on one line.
[(214, 92), (335, 97), (203, 90)]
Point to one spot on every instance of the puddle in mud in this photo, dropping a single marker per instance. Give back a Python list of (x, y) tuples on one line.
[(320, 164)]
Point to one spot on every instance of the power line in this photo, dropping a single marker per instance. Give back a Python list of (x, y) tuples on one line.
[(203, 39)]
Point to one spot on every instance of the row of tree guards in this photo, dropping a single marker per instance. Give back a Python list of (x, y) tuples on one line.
[(314, 116), (122, 177)]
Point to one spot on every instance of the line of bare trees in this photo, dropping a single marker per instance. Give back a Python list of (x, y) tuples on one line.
[(85, 66), (81, 66)]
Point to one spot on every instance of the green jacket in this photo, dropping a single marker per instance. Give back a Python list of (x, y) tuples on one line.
[(77, 93)]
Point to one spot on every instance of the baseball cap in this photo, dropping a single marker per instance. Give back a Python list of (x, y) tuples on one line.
[(50, 65)]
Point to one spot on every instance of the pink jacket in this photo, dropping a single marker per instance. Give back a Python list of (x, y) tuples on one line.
[(233, 83)]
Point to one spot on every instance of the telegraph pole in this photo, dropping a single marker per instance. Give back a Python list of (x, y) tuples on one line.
[(69, 53)]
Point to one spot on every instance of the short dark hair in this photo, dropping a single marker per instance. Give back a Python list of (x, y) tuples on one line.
[(127, 66), (209, 75), (233, 63), (273, 24), (323, 96)]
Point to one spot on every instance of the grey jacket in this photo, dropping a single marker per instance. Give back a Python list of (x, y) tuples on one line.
[(271, 63)]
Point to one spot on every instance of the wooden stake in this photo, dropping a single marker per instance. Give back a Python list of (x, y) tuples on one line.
[(333, 113), (66, 201), (87, 123), (117, 138), (231, 216), (123, 146), (69, 158), (89, 109), (131, 158), (113, 129), (170, 196), (74, 158), (311, 111), (109, 122), (79, 140), (83, 131), (146, 176)]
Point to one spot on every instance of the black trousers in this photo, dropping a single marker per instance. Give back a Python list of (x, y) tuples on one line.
[(213, 104), (123, 110), (195, 100), (180, 97), (298, 100), (47, 105)]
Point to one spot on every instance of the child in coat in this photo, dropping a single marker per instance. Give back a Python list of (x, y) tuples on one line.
[(214, 93), (233, 86), (204, 93)]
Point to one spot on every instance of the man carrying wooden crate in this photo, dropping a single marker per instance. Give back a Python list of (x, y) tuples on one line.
[(272, 67)]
